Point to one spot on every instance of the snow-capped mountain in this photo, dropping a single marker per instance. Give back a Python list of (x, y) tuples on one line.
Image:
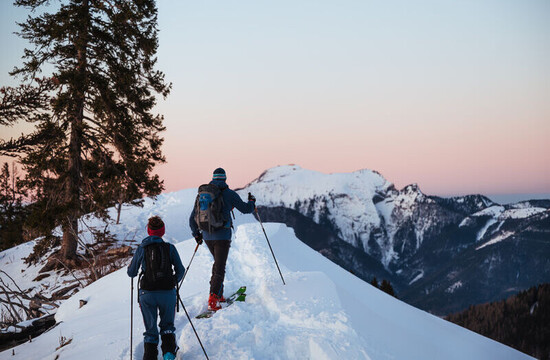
[(363, 208), (323, 311), (405, 235)]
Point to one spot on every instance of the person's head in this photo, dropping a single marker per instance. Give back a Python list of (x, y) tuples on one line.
[(219, 174), (155, 226)]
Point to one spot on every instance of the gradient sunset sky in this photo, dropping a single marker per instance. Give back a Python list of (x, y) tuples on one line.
[(452, 95)]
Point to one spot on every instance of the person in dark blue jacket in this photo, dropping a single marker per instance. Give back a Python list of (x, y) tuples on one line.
[(157, 291), (219, 241)]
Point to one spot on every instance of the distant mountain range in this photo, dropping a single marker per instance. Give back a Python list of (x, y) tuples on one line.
[(441, 254)]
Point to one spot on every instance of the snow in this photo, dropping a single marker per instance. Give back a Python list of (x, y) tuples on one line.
[(505, 235), (483, 230), (417, 277), (451, 289), (501, 213), (493, 211), (522, 213), (533, 307), (343, 199), (467, 221), (173, 207), (324, 312)]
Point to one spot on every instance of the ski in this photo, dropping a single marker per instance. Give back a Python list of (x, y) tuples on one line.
[(238, 295)]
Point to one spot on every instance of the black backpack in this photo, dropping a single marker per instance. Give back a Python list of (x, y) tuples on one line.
[(158, 268), (209, 208)]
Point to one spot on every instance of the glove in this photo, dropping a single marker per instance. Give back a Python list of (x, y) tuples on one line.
[(198, 238), (251, 198)]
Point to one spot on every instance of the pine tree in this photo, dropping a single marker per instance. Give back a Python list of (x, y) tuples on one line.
[(12, 212), (96, 139), (374, 282), (386, 287)]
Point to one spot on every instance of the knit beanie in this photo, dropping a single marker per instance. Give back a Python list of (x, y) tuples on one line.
[(219, 174), (155, 226)]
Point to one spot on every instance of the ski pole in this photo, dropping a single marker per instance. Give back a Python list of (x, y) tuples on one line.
[(184, 275), (274, 258), (188, 266), (190, 322), (131, 316)]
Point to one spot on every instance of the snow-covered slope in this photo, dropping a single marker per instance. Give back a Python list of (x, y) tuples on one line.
[(363, 208), (174, 208), (344, 201), (324, 312), (410, 238)]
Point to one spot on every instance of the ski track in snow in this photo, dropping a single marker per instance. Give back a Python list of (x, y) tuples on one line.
[(301, 320)]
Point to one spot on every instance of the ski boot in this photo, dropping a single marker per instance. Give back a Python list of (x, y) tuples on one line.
[(169, 356), (169, 347), (150, 351), (214, 302)]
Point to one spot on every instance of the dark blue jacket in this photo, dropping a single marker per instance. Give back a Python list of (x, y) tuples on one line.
[(139, 258), (230, 200)]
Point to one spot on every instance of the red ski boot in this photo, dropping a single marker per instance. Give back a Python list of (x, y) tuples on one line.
[(214, 303)]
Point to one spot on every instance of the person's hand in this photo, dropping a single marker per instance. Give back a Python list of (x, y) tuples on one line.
[(198, 238), (251, 198)]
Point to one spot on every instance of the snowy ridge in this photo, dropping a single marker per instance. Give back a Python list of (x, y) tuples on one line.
[(350, 202), (365, 210), (503, 213), (499, 215), (324, 312)]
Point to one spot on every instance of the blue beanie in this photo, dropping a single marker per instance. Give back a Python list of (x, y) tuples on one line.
[(219, 174)]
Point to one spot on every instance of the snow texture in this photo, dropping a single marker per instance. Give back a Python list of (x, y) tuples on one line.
[(499, 212), (324, 312), (503, 236), (343, 200)]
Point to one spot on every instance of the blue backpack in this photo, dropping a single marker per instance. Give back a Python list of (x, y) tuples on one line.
[(209, 208)]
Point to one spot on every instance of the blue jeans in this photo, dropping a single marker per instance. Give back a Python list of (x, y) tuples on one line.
[(162, 302)]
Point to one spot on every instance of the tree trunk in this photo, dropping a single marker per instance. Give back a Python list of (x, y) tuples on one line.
[(76, 119), (70, 239), (118, 209)]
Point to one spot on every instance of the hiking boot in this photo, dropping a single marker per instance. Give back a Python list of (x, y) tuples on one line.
[(214, 303), (150, 351), (169, 345)]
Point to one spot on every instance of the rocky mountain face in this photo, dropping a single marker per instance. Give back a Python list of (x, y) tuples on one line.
[(441, 254)]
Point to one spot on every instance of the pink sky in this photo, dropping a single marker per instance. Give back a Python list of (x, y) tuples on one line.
[(454, 96)]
